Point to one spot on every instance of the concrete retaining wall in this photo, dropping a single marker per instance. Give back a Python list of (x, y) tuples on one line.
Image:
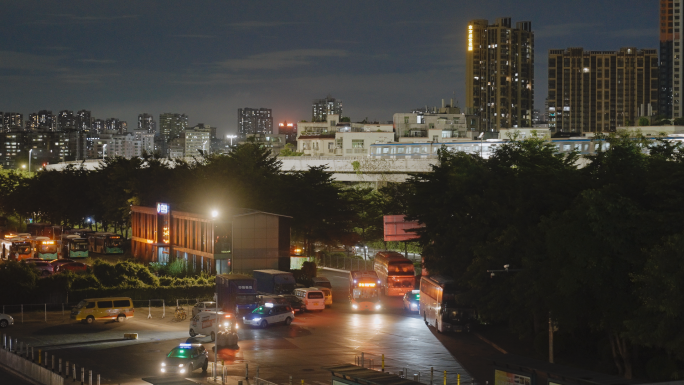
[(30, 370)]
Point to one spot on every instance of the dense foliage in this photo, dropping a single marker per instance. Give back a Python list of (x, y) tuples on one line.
[(598, 247)]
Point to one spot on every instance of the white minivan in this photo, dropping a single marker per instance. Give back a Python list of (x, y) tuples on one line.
[(313, 298), (204, 323)]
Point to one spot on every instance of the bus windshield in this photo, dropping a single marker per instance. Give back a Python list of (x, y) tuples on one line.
[(245, 299), (47, 248), (400, 268), (114, 242), (79, 246), (23, 249)]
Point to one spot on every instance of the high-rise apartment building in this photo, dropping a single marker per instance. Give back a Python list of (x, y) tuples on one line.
[(289, 130), (669, 92), (12, 121), (115, 126), (254, 121), (321, 108), (98, 126), (595, 91), (172, 125), (66, 120), (500, 73), (43, 120), (146, 122), (83, 120), (197, 142)]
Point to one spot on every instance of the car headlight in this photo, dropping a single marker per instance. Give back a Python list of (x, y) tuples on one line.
[(180, 366), (163, 370), (182, 370), (256, 319), (377, 307), (163, 363), (354, 307), (226, 324)]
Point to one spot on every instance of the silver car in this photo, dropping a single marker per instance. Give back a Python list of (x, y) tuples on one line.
[(6, 320)]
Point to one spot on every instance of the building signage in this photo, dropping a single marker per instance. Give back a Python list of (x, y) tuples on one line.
[(470, 38), (162, 208), (508, 378)]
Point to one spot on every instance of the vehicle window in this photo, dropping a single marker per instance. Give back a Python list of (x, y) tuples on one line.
[(90, 305), (104, 304), (315, 295), (270, 312), (122, 303)]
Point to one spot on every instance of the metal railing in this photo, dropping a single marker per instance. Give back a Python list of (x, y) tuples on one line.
[(344, 263), (39, 312), (427, 375)]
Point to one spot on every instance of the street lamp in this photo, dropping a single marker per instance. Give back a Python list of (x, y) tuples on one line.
[(104, 148), (31, 150), (231, 137), (214, 213)]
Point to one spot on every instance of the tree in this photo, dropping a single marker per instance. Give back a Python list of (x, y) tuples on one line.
[(345, 119), (290, 150), (366, 204), (644, 121), (679, 122)]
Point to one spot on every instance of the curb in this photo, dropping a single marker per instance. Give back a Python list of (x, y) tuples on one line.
[(495, 346), (15, 373)]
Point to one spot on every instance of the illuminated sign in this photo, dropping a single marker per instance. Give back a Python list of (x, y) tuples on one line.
[(366, 284), (470, 38), (162, 208), (165, 235)]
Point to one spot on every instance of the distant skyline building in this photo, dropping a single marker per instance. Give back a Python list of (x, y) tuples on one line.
[(43, 120), (500, 73), (669, 92), (321, 108), (83, 120), (254, 121), (66, 120), (98, 126), (115, 126), (146, 122), (197, 142), (289, 130), (12, 121), (172, 125), (600, 91)]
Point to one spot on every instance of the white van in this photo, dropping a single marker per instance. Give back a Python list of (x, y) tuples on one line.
[(313, 298), (204, 323), (327, 293)]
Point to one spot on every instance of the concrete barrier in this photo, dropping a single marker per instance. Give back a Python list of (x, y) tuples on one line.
[(130, 336), (28, 369)]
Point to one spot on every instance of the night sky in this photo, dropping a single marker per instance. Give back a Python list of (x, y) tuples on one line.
[(209, 58)]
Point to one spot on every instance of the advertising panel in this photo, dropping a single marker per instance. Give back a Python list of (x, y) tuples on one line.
[(507, 378)]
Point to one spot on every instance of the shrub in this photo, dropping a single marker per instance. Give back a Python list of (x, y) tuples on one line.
[(85, 281), (106, 273)]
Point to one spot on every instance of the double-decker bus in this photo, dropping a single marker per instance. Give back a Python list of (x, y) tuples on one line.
[(396, 273), (105, 243), (438, 305), (364, 290), (44, 248), (73, 246)]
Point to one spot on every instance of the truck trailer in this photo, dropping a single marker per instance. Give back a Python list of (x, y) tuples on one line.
[(275, 281), (236, 293)]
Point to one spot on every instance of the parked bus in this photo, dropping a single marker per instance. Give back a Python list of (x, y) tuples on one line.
[(396, 273), (44, 248), (364, 290), (73, 246), (17, 249), (439, 308), (105, 243)]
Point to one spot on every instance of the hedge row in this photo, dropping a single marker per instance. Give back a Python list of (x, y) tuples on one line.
[(168, 293)]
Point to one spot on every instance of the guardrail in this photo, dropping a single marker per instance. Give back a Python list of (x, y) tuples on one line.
[(344, 263)]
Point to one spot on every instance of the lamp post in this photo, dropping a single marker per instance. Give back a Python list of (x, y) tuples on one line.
[(30, 151), (481, 137), (231, 137), (104, 148)]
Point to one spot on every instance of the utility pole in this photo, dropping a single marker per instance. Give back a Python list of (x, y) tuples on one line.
[(550, 339)]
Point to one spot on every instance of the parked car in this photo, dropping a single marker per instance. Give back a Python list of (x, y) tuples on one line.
[(283, 299), (6, 320), (76, 267), (44, 267), (58, 262)]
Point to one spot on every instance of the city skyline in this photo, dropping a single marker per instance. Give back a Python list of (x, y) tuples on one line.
[(105, 59)]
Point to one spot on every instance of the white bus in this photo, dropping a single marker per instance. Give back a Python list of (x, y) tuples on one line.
[(438, 305), (364, 290), (313, 298)]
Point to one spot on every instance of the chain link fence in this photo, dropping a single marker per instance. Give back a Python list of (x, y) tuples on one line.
[(344, 263)]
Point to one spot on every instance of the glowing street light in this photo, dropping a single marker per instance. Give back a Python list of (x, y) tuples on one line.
[(231, 137), (104, 148), (214, 213), (30, 151)]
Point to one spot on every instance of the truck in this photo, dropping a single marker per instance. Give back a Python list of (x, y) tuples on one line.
[(275, 281), (236, 293)]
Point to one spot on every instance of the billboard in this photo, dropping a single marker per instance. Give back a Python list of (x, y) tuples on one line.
[(508, 378), (396, 228)]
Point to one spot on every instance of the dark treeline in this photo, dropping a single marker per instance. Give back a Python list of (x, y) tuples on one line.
[(599, 248), (324, 213)]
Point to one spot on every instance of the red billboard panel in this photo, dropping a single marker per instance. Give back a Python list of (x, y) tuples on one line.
[(396, 228)]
